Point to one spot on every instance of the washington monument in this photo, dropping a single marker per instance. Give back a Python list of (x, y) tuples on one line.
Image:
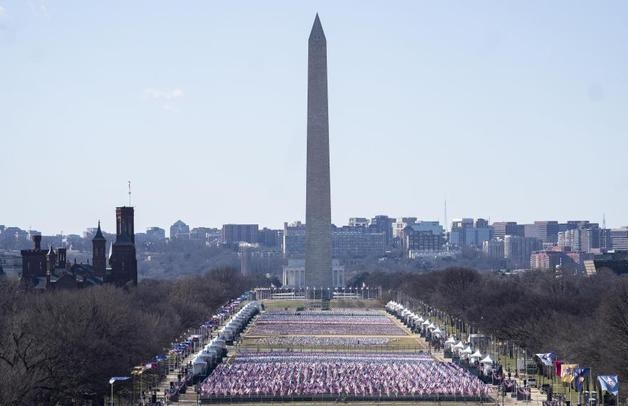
[(318, 272)]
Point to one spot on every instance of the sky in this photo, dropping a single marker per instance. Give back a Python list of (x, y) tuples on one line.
[(509, 110)]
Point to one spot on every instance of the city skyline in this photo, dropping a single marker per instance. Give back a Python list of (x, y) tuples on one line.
[(206, 117)]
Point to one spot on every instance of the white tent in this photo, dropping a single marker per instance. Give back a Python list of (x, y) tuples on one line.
[(198, 365), (476, 354), (487, 360), (466, 351), (426, 323), (458, 346), (450, 340), (437, 331)]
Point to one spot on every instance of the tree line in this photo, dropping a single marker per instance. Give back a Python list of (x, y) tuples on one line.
[(583, 319), (61, 347)]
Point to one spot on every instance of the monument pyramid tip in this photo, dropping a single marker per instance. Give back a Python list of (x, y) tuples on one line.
[(317, 28)]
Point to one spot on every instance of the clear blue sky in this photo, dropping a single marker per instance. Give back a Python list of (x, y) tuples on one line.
[(512, 110)]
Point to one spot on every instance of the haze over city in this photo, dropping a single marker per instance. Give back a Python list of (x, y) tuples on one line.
[(509, 111)]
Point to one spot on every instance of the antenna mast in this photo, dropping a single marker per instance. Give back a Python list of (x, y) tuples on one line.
[(129, 193)]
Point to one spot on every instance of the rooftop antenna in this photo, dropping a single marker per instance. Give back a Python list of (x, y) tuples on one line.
[(603, 220), (445, 212), (129, 193)]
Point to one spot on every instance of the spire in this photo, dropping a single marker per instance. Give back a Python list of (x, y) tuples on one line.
[(98, 235), (317, 33)]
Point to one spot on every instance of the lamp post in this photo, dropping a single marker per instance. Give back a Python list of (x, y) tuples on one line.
[(113, 380)]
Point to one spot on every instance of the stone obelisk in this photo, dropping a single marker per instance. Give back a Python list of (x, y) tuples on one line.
[(318, 272)]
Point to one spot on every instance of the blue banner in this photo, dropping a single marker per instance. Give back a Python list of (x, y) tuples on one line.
[(609, 383)]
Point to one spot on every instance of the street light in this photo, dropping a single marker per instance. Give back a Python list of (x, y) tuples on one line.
[(113, 380)]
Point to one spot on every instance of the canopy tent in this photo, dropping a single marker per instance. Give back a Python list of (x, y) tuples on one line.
[(426, 323), (459, 346), (476, 354), (451, 341), (487, 360), (437, 331), (467, 350)]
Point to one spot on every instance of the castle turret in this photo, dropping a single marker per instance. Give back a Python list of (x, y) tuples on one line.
[(123, 260), (99, 257)]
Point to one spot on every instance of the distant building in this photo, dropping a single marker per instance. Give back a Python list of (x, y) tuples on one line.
[(201, 234), (14, 238), (236, 233), (619, 239), (294, 240), (347, 242), (270, 238), (546, 260), (155, 234), (504, 228), (616, 262), (422, 236), (256, 259), (400, 224), (358, 222), (546, 231), (559, 260), (383, 224), (518, 249), (357, 242), (179, 231), (494, 248), (467, 233)]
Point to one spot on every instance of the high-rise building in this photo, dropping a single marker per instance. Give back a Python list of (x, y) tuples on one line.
[(421, 237), (237, 233), (269, 238), (294, 240), (155, 234), (547, 231), (179, 231), (383, 224), (504, 228), (358, 222), (494, 248), (357, 242), (518, 249), (619, 238), (467, 233), (400, 224), (318, 269), (123, 260)]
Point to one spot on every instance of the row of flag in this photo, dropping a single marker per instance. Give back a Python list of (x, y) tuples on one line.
[(571, 373)]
